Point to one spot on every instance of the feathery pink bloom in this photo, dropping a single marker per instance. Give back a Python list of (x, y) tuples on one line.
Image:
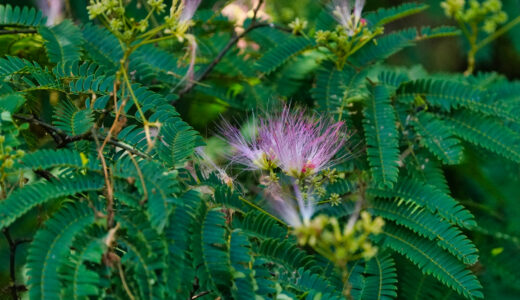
[(52, 9), (297, 144), (295, 211), (247, 152), (301, 145), (348, 18), (189, 9), (208, 166)]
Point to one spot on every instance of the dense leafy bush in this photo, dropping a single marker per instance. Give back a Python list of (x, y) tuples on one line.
[(337, 185)]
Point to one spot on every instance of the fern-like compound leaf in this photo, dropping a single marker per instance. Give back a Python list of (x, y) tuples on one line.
[(386, 15), (17, 16), (382, 137), (428, 196), (281, 53), (72, 120), (380, 278), (430, 226), (241, 262), (79, 273), (431, 259), (22, 200), (63, 42), (486, 132), (50, 248), (438, 138)]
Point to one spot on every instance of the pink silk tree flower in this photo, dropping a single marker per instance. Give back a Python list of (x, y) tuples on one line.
[(247, 152), (301, 145), (189, 9), (296, 210), (348, 18)]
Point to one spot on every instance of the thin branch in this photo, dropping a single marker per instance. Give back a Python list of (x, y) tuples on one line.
[(125, 285), (109, 196), (234, 39), (17, 31), (357, 209), (12, 261), (200, 294), (56, 133), (62, 139)]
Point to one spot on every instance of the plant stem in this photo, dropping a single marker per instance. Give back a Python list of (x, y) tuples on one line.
[(17, 31), (253, 25), (260, 209), (472, 39), (498, 33), (123, 281), (475, 47), (62, 139), (12, 261)]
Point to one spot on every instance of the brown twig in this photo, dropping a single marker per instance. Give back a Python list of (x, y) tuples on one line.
[(110, 196), (17, 31), (200, 294), (357, 209), (123, 281), (234, 39), (13, 244), (62, 139)]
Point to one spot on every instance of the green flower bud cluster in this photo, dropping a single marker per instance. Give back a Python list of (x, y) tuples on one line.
[(157, 5), (488, 14), (8, 155), (298, 25), (112, 12), (342, 44), (180, 18), (339, 243), (318, 184)]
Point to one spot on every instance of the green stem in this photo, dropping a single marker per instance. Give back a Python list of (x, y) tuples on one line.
[(260, 209), (498, 33), (472, 39), (134, 98), (155, 40)]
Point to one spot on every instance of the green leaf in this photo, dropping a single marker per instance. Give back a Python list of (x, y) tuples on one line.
[(281, 53), (242, 260), (20, 16), (72, 120), (158, 189), (430, 226), (438, 138), (181, 140), (333, 85), (286, 254), (384, 47), (380, 278), (102, 47), (386, 15), (50, 248), (215, 251), (382, 137), (11, 102), (145, 254), (47, 159), (79, 277), (22, 200), (259, 225), (63, 42), (179, 234), (487, 133), (431, 259), (426, 195)]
